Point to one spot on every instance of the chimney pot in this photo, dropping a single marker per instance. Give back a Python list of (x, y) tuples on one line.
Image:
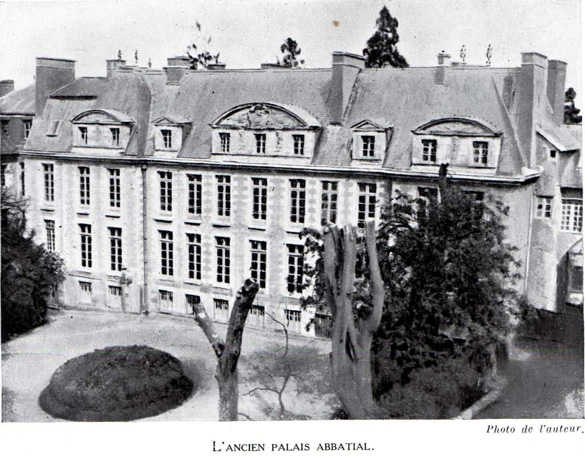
[(444, 59), (179, 61), (6, 86), (216, 66)]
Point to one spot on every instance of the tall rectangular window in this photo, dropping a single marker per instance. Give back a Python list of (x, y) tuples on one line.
[(50, 228), (83, 135), (166, 253), (49, 176), (480, 152), (368, 145), (114, 187), (166, 190), (22, 180), (543, 207), (115, 133), (259, 198), (222, 246), (224, 141), (224, 195), (167, 137), (221, 309), (3, 170), (115, 248), (258, 262), (366, 203), (572, 215), (293, 320), (297, 201), (86, 245), (84, 185), (192, 302), (296, 261), (429, 151), (260, 143), (299, 145), (194, 195), (26, 126), (328, 202), (165, 298), (4, 126), (194, 251)]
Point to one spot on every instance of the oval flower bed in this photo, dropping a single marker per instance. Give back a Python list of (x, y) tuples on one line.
[(118, 383)]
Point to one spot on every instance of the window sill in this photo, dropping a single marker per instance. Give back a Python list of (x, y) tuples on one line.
[(221, 289), (193, 282), (115, 216), (166, 280), (48, 209), (83, 213), (85, 274), (257, 227), (164, 221), (295, 229), (221, 224)]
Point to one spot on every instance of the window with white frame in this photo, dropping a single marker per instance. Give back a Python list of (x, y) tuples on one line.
[(299, 145), (115, 135), (297, 201), (260, 143), (293, 320), (256, 316), (368, 146), (572, 215), (192, 302), (50, 229), (194, 253), (86, 245), (544, 207), (167, 137), (259, 198), (115, 248), (86, 291), (83, 135), (328, 202), (222, 247), (296, 261), (195, 196), (84, 186), (165, 298), (166, 253), (115, 291), (26, 126), (258, 262), (429, 153), (166, 190), (366, 203), (480, 153), (115, 197), (54, 128), (224, 195), (224, 142), (220, 310), (49, 177)]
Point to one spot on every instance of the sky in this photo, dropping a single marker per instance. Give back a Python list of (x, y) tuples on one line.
[(247, 33)]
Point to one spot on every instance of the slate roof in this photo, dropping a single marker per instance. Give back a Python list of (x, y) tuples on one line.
[(19, 102), (83, 87)]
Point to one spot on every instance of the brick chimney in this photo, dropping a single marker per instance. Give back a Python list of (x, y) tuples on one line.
[(555, 89), (344, 72), (178, 61), (113, 64), (176, 69), (52, 74), (6, 86), (444, 60), (216, 66), (532, 95)]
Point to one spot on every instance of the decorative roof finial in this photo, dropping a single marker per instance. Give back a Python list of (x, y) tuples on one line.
[(488, 54), (119, 54), (136, 56), (149, 63), (463, 54)]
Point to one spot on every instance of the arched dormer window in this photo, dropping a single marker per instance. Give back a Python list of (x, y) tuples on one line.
[(458, 141), (102, 129), (265, 130)]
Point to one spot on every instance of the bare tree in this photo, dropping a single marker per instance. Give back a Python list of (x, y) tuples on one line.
[(228, 352), (353, 328)]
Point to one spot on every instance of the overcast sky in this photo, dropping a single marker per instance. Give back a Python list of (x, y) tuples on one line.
[(250, 32)]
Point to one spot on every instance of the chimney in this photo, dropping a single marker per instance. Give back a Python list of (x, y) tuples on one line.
[(6, 86), (555, 89), (175, 74), (216, 66), (531, 92), (113, 65), (178, 61), (344, 72), (444, 61), (272, 66), (52, 74)]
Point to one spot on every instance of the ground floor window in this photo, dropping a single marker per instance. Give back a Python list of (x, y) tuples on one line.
[(256, 317), (192, 301), (86, 291), (115, 297), (293, 320), (323, 324), (220, 310), (165, 299)]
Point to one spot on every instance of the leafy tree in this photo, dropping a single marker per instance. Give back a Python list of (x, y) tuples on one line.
[(381, 48), (30, 273), (291, 50), (201, 56), (571, 112)]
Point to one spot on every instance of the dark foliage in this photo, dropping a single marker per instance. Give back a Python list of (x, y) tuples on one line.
[(381, 48), (30, 273), (291, 50), (116, 384), (571, 112)]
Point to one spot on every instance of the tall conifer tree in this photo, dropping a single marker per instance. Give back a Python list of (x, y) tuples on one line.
[(381, 48)]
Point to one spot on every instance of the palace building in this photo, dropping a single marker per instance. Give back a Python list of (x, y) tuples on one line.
[(161, 188)]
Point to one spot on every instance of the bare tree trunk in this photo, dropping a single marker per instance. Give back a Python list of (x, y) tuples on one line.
[(228, 353), (351, 334)]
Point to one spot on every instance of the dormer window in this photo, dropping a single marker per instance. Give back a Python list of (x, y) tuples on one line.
[(54, 128), (429, 151), (368, 146), (299, 145), (26, 126), (167, 137), (260, 143), (115, 132), (224, 139), (83, 134), (480, 153)]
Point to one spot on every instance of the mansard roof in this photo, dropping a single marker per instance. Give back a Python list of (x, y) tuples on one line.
[(101, 116), (277, 115), (20, 101)]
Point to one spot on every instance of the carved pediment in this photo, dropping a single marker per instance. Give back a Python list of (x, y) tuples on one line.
[(107, 117), (457, 127), (372, 125), (171, 120), (257, 116)]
